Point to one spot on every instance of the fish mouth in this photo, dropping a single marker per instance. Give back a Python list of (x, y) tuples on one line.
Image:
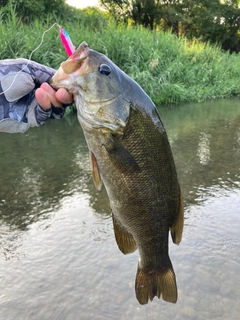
[(61, 84), (57, 84)]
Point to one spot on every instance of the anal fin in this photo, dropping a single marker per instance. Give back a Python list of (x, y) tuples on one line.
[(124, 239)]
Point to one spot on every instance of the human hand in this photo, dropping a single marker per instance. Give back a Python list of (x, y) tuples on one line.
[(46, 96), (23, 105)]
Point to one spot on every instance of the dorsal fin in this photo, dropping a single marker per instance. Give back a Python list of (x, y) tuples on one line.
[(177, 227)]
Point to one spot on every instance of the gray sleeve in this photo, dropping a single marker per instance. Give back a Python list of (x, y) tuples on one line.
[(40, 73), (17, 85), (18, 80), (11, 125), (37, 71)]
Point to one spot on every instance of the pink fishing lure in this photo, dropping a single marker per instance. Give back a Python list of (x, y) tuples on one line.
[(66, 41)]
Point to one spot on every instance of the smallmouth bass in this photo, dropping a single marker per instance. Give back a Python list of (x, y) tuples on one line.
[(130, 154)]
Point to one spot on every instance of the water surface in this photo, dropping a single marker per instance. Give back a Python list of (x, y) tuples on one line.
[(58, 257)]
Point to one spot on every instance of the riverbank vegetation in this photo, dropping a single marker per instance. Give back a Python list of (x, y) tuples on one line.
[(214, 21), (170, 69)]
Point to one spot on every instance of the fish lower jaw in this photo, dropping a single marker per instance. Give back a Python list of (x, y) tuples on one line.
[(99, 102), (91, 121), (56, 86), (93, 124)]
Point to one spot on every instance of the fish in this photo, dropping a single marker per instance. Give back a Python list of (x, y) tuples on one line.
[(131, 156)]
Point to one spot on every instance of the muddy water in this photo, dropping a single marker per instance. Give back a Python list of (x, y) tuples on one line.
[(58, 257)]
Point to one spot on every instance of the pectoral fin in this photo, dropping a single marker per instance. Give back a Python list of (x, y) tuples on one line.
[(95, 172), (123, 238), (177, 227), (119, 155)]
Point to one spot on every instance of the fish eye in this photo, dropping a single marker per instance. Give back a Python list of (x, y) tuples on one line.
[(104, 69)]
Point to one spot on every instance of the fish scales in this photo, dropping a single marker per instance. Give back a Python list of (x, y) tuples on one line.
[(130, 153), (139, 195)]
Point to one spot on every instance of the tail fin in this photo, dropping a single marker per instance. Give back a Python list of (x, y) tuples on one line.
[(160, 283)]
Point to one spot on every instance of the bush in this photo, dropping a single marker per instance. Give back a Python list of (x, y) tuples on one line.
[(170, 69)]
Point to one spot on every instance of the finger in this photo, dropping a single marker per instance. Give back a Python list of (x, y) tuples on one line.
[(51, 93), (64, 96), (42, 99)]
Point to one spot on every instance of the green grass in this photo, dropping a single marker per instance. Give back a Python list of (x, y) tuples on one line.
[(170, 69)]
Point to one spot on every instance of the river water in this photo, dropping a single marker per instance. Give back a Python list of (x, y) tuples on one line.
[(58, 257)]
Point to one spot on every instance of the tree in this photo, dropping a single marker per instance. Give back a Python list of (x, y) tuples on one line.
[(119, 9), (231, 22), (28, 10), (212, 21), (215, 21), (145, 12)]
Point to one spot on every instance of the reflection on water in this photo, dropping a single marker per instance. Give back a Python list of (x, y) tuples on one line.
[(58, 255), (205, 142), (204, 148)]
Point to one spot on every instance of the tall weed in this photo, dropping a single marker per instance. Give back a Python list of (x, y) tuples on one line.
[(170, 69)]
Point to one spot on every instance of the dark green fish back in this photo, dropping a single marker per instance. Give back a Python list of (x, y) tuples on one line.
[(138, 171)]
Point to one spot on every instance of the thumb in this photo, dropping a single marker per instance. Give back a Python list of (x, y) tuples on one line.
[(43, 99)]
